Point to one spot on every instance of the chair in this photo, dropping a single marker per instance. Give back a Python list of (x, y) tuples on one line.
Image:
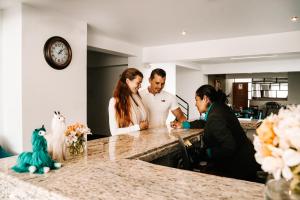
[(186, 159), (272, 107)]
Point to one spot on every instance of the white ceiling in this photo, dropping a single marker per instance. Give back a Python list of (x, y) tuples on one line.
[(159, 22)]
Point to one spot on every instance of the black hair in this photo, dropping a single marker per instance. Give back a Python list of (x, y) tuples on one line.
[(159, 72), (212, 94)]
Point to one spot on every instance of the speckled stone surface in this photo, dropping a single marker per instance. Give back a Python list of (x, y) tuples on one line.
[(111, 170), (249, 124)]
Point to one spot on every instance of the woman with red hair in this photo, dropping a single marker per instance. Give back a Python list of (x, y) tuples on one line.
[(126, 110)]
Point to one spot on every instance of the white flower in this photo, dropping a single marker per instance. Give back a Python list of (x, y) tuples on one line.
[(278, 144), (273, 165), (287, 173), (73, 136), (291, 157), (257, 143)]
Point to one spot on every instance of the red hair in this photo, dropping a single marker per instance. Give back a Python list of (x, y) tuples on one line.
[(121, 94)]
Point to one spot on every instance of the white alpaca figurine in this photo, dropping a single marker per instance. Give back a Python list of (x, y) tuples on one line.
[(56, 144)]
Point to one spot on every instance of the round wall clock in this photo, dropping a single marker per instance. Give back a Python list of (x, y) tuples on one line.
[(57, 52)]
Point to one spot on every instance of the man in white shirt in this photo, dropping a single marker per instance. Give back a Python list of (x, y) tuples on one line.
[(159, 102)]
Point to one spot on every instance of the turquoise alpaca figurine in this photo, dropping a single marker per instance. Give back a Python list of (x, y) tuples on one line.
[(38, 161)]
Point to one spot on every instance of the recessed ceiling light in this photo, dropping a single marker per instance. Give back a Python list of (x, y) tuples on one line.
[(183, 33), (253, 57), (294, 18)]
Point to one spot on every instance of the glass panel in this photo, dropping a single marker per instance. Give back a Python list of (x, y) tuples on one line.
[(255, 86), (283, 86), (249, 87), (275, 86), (282, 94), (256, 94), (270, 94), (265, 86)]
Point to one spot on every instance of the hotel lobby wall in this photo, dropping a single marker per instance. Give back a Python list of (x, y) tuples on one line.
[(187, 82), (41, 89), (11, 79), (46, 89), (270, 66), (1, 72)]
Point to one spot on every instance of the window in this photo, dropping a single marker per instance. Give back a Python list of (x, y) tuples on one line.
[(264, 88)]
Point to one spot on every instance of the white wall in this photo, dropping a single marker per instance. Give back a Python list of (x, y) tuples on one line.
[(253, 67), (241, 46), (45, 89), (187, 82), (11, 77), (1, 73), (30, 89), (104, 44)]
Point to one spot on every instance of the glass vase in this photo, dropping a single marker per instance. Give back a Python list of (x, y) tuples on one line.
[(77, 148), (280, 190)]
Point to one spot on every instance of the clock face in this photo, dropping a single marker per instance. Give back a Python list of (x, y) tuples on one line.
[(57, 52)]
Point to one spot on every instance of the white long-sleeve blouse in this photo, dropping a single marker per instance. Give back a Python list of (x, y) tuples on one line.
[(138, 114)]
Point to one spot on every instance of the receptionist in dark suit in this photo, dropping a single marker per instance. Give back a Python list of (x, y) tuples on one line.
[(226, 144)]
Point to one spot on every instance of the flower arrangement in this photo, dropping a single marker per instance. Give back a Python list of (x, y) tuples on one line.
[(277, 145), (76, 138)]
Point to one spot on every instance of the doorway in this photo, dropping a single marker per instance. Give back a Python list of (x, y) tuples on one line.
[(103, 71), (240, 95)]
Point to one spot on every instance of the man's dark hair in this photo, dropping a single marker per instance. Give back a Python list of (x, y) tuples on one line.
[(159, 72)]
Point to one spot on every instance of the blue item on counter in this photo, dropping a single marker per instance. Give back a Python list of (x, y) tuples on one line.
[(4, 154)]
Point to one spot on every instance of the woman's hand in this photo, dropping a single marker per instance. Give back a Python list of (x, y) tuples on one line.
[(144, 125), (176, 124)]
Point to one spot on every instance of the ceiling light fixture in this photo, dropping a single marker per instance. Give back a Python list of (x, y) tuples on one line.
[(253, 57), (183, 33), (294, 18)]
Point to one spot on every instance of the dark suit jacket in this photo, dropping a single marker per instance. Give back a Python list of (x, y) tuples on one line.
[(232, 153)]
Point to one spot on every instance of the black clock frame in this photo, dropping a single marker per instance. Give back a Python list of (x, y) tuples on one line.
[(47, 52)]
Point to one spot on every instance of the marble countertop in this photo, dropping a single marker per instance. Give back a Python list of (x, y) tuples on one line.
[(248, 123), (112, 170)]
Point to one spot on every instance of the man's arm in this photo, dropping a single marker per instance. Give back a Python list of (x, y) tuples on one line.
[(179, 115)]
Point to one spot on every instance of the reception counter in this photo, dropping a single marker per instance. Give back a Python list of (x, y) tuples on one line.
[(248, 124), (116, 168)]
